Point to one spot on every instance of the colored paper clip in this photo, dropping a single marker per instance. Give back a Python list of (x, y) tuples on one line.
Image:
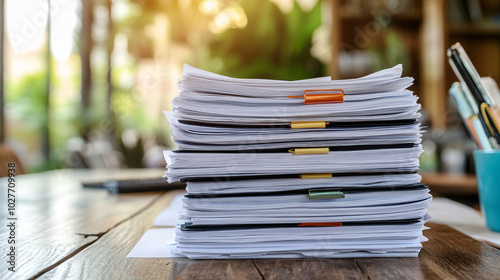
[(333, 224), (309, 151), (321, 98), (316, 175), (491, 125), (325, 194), (306, 124)]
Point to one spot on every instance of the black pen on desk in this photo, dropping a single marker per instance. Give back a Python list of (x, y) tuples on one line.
[(134, 186)]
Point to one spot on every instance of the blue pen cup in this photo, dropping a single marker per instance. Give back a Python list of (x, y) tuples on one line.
[(488, 177)]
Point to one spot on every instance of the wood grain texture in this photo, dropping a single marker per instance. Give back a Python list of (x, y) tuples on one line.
[(309, 269), (448, 255), (455, 255), (56, 217), (106, 259)]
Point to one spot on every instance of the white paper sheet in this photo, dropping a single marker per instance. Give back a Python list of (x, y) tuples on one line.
[(281, 184), (214, 98), (182, 165), (462, 218), (201, 137), (155, 244), (208, 99), (169, 216)]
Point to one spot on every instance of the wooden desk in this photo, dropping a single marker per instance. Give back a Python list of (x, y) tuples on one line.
[(65, 231)]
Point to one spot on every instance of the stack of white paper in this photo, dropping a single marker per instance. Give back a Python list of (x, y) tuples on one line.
[(342, 184)]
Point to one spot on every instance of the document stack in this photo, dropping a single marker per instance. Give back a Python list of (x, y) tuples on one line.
[(297, 169)]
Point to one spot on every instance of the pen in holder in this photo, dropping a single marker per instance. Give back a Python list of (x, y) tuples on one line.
[(488, 177), (477, 101)]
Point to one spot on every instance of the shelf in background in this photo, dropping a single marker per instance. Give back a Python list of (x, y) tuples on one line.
[(451, 184), (414, 17), (484, 30)]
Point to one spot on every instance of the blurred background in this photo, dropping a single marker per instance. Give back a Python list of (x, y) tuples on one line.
[(84, 82)]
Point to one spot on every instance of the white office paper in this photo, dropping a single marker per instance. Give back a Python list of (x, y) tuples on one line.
[(298, 215), (201, 137), (155, 243), (170, 215), (182, 165), (462, 218), (239, 129), (213, 98), (290, 184), (197, 80), (293, 242)]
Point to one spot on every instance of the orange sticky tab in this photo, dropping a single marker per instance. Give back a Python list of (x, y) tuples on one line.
[(322, 98), (320, 225)]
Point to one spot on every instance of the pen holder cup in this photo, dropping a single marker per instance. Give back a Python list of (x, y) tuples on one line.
[(488, 178)]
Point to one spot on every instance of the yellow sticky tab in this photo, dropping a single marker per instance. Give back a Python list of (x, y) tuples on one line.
[(316, 176), (312, 124), (309, 151), (492, 126)]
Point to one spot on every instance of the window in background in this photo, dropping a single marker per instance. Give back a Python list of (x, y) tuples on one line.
[(26, 68), (114, 67)]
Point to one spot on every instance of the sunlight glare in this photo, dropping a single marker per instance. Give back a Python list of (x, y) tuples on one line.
[(209, 7), (26, 22), (232, 17), (27, 25), (63, 24)]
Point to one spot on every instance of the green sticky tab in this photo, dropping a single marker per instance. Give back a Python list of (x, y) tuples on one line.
[(325, 194)]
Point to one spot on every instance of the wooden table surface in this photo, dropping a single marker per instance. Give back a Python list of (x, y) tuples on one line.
[(65, 231)]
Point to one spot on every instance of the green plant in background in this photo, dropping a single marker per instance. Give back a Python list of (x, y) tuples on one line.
[(270, 44), (25, 104), (392, 53), (273, 44), (26, 101)]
